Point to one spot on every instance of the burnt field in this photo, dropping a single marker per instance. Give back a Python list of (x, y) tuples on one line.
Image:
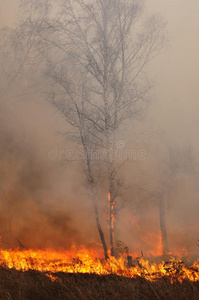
[(99, 149), (32, 285)]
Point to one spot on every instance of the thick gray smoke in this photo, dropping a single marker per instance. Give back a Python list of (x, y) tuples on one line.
[(45, 203)]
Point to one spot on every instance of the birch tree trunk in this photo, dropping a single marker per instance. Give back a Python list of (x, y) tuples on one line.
[(101, 233), (163, 228)]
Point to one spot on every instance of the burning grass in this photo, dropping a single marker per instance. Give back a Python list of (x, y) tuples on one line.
[(88, 261), (81, 274)]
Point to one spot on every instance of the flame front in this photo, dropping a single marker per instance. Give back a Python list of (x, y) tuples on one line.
[(85, 261)]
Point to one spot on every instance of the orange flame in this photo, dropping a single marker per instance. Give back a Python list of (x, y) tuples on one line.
[(111, 210), (85, 261)]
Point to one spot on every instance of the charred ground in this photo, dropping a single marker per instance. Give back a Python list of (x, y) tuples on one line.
[(31, 285)]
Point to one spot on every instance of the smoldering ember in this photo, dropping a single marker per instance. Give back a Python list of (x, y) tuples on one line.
[(99, 149)]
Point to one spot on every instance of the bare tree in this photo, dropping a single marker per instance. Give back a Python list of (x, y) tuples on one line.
[(179, 160), (96, 52), (175, 161), (73, 105), (15, 51), (19, 57)]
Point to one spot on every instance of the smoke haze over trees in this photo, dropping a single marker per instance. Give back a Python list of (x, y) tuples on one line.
[(49, 199)]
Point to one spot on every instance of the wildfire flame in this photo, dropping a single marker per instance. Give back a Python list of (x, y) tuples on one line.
[(85, 261)]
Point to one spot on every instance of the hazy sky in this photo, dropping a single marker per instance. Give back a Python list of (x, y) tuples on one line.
[(8, 9), (178, 68)]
